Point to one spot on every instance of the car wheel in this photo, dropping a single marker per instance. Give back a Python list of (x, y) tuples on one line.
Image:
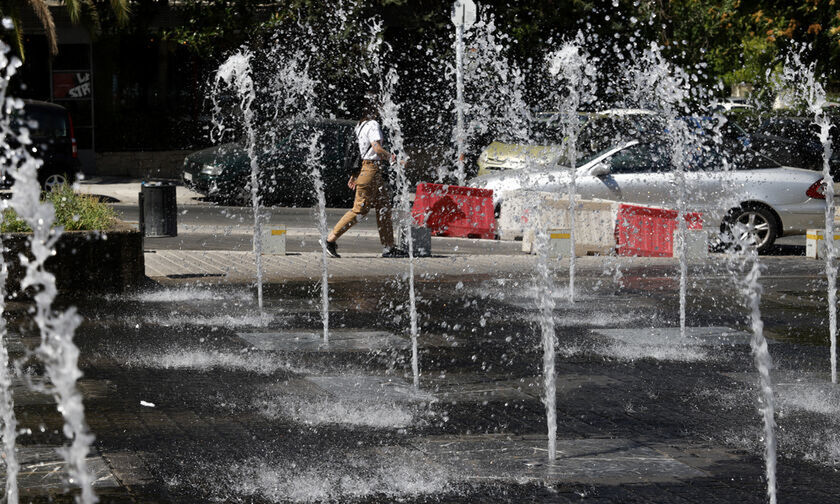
[(53, 181), (234, 193), (754, 224), (241, 196)]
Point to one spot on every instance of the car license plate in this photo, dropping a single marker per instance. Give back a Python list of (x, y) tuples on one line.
[(188, 177)]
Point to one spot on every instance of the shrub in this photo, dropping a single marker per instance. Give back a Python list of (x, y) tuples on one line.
[(75, 212)]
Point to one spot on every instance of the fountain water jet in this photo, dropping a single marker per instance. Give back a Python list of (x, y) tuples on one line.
[(752, 291), (312, 160), (390, 119), (803, 79), (669, 87), (572, 65), (546, 307), (57, 351), (235, 72), (7, 405)]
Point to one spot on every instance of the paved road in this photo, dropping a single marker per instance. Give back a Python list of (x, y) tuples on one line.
[(205, 225), (231, 228)]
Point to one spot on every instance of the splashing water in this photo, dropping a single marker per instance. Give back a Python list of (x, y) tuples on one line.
[(665, 87), (293, 96), (313, 161), (235, 72), (494, 93), (546, 307), (7, 411), (7, 405), (802, 80), (390, 119), (56, 350), (571, 64), (752, 291)]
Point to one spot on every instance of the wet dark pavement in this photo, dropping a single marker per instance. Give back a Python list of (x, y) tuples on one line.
[(196, 397)]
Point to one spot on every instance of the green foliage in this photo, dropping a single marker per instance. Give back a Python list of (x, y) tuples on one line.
[(74, 212), (211, 27), (741, 39), (11, 223)]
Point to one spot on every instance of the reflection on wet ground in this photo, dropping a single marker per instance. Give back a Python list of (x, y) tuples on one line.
[(195, 396)]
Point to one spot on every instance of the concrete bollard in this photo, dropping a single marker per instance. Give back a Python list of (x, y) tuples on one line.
[(422, 238), (559, 243), (815, 243), (528, 239), (696, 244), (274, 240)]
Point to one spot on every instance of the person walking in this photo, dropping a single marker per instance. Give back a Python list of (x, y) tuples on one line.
[(370, 184)]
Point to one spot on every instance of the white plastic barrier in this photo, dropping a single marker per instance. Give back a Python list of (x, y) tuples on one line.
[(594, 220)]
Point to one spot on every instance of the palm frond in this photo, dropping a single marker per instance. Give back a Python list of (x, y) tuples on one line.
[(92, 20), (74, 9), (18, 34), (121, 10), (42, 12)]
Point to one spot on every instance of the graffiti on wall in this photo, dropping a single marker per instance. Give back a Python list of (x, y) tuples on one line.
[(71, 85)]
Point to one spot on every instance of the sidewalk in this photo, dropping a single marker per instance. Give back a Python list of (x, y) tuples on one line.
[(125, 191), (239, 267)]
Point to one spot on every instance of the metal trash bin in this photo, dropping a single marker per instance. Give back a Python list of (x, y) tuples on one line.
[(158, 209)]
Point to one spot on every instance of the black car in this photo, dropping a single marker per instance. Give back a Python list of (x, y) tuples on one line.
[(223, 172), (789, 140), (53, 142)]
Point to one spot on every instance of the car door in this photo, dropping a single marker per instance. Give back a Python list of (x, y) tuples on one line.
[(639, 173)]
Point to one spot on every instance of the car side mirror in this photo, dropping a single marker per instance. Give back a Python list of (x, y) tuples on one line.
[(599, 170)]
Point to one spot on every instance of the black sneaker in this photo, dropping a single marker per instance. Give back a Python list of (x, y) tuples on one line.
[(332, 249), (394, 253)]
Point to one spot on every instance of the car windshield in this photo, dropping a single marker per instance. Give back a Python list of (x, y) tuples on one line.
[(733, 155), (593, 156), (602, 133), (655, 156)]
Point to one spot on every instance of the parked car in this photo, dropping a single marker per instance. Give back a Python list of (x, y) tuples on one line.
[(223, 172), (770, 199), (792, 141), (599, 130), (731, 103), (53, 142)]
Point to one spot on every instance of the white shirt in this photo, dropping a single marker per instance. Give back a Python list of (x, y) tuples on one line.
[(366, 133)]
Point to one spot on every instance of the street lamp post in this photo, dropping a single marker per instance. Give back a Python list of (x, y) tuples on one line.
[(463, 16)]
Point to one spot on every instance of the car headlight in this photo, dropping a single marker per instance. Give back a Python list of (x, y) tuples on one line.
[(482, 158), (209, 169)]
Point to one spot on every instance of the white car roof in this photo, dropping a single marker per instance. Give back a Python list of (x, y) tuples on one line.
[(623, 112)]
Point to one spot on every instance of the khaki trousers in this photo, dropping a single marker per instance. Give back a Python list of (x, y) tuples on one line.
[(371, 191)]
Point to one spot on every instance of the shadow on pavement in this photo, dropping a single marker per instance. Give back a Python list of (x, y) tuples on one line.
[(786, 250), (104, 199)]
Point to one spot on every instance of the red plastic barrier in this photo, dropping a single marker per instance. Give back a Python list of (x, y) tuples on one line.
[(648, 232), (455, 211)]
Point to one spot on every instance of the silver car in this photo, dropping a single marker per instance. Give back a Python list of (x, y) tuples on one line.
[(770, 200)]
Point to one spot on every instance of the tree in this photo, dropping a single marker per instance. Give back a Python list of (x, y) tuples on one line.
[(81, 11)]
